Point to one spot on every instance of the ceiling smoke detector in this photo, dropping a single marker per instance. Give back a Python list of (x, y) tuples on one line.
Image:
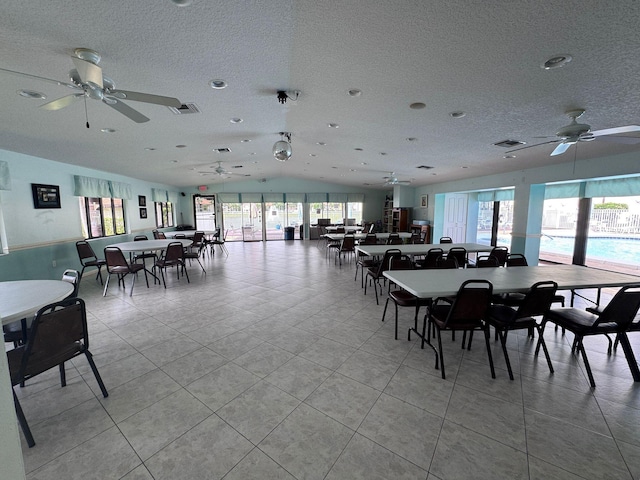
[(282, 148)]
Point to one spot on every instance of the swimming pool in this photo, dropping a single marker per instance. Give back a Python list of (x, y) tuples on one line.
[(620, 250)]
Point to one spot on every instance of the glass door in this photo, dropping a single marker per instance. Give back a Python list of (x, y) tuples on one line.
[(204, 211), (275, 220), (252, 222)]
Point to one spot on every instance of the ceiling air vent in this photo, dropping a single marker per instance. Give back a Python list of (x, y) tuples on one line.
[(509, 143), (222, 150), (425, 167), (185, 109)]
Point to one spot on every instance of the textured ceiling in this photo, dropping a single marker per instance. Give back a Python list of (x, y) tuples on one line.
[(479, 57)]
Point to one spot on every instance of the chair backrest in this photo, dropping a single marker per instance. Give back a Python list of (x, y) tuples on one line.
[(384, 264), (180, 235), (516, 260), (623, 307), (431, 258), (447, 262), (459, 253), (446, 240), (538, 300), (348, 243), (161, 236), (340, 230), (370, 239), (470, 304), (139, 238), (114, 258), (415, 239), (155, 234), (400, 262), (394, 239), (85, 252), (73, 277), (501, 254), (174, 252), (487, 262), (198, 238), (216, 233), (57, 334)]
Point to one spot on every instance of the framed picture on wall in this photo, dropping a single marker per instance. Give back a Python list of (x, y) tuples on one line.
[(143, 213), (142, 201), (45, 196), (424, 201)]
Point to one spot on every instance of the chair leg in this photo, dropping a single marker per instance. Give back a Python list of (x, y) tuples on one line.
[(106, 285), (503, 341), (544, 349), (162, 275), (186, 274), (486, 338), (628, 353), (94, 369), (63, 375), (384, 312), (396, 336), (440, 356), (586, 363), (99, 275), (23, 422), (375, 287)]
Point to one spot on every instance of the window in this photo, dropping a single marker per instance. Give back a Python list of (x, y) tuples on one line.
[(164, 214), (102, 217), (332, 210)]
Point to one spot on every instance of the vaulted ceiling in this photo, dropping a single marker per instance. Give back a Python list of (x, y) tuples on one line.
[(481, 59)]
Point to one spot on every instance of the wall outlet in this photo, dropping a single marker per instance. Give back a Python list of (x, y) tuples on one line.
[(53, 264)]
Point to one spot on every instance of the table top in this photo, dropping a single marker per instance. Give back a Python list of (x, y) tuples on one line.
[(354, 228), (186, 233), (360, 236), (422, 248), (23, 298), (148, 245), (433, 283)]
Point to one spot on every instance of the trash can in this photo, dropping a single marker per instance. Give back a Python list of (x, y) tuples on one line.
[(301, 232), (289, 233)]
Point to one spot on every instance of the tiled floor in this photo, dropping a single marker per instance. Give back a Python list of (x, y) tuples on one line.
[(276, 366)]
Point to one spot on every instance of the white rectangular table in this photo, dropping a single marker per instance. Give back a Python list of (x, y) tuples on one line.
[(361, 236), (422, 248)]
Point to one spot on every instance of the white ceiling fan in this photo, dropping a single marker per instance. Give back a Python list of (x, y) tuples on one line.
[(581, 132), (222, 172), (392, 179), (87, 80)]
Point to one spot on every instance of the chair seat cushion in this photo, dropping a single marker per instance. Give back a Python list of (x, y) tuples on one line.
[(578, 321), (501, 316), (403, 298), (439, 315)]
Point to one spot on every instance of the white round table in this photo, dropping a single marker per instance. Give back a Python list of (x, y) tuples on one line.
[(186, 233), (148, 245), (22, 298)]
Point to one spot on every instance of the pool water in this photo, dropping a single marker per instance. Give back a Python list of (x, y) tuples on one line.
[(620, 250)]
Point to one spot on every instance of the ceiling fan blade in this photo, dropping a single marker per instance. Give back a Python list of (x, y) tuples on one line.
[(624, 140), (615, 131), (44, 79), (535, 145), (560, 149), (89, 73), (126, 110), (62, 102), (147, 98)]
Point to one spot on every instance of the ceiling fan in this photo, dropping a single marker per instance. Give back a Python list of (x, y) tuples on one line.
[(581, 132), (87, 80), (222, 172), (393, 180)]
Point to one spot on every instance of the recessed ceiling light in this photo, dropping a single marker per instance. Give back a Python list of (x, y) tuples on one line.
[(464, 166), (236, 120), (333, 125), (174, 161), (556, 61), (107, 130), (364, 163), (32, 94), (150, 149), (322, 144), (181, 146), (246, 140), (252, 153), (181, 3), (509, 156), (457, 114), (417, 106), (335, 168), (354, 92), (312, 155), (218, 84), (352, 170), (358, 149), (383, 153), (411, 139)]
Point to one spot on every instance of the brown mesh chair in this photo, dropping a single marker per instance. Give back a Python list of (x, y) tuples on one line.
[(415, 239), (536, 303), (468, 312), (173, 257), (401, 297), (118, 265), (58, 334), (375, 274), (616, 318), (89, 259)]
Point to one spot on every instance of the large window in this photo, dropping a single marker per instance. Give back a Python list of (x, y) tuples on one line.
[(164, 214), (332, 210), (559, 222), (102, 217)]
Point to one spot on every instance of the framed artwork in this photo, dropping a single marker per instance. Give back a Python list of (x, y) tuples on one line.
[(142, 201), (45, 196), (143, 213), (424, 201)]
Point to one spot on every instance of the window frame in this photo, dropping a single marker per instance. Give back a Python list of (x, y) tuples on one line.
[(108, 202), (160, 208)]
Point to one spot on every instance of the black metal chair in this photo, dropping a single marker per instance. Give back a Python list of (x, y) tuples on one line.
[(173, 257), (143, 255), (118, 265), (58, 334), (364, 261), (430, 259), (616, 318), (446, 240), (394, 239), (535, 303), (468, 312), (376, 273), (347, 247), (460, 254), (89, 259)]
